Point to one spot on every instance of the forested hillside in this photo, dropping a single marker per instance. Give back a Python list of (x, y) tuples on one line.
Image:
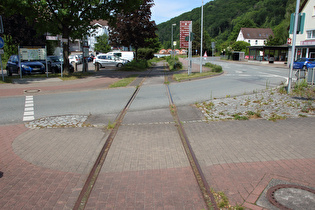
[(224, 18)]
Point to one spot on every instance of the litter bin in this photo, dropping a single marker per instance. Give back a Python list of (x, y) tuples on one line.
[(236, 56), (271, 59)]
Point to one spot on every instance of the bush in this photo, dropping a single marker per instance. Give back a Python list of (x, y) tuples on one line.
[(214, 67), (145, 53), (136, 65), (174, 64)]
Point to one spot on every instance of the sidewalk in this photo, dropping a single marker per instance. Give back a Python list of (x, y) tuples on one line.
[(146, 167)]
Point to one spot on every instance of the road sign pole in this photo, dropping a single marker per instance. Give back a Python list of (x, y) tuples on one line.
[(1, 69), (20, 62), (293, 44), (1, 46), (46, 61), (201, 37)]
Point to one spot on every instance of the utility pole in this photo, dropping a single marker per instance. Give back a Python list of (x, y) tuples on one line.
[(296, 18), (174, 24), (201, 37), (189, 49)]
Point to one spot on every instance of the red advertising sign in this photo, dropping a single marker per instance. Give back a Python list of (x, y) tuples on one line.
[(184, 32)]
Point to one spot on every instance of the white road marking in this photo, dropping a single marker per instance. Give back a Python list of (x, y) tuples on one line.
[(29, 109)]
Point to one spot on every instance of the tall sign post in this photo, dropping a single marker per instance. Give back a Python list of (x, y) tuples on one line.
[(185, 39), (190, 50), (1, 46), (201, 37), (184, 32), (1, 52), (296, 19)]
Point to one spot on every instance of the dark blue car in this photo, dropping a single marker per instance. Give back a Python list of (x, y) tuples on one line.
[(27, 67), (304, 63)]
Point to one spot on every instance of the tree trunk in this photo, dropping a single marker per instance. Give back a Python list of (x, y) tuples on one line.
[(65, 34)]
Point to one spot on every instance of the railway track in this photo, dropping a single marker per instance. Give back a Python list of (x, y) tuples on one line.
[(93, 175)]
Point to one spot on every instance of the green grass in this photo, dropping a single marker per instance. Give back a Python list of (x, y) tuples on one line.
[(180, 77), (124, 82), (136, 65)]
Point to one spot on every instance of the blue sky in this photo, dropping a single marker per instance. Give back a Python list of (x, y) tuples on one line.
[(164, 10)]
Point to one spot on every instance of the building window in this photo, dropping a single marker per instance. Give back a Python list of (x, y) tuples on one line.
[(311, 34), (249, 41), (256, 42)]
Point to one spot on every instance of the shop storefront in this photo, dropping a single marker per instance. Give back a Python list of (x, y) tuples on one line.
[(277, 54)]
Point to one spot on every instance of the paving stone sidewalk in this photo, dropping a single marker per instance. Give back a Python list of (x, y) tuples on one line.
[(147, 168)]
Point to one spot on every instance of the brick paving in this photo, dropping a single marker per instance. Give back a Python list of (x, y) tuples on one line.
[(241, 157), (27, 186), (146, 166)]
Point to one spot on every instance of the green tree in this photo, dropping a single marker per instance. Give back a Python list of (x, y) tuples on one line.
[(102, 44), (71, 18), (153, 43), (134, 28), (240, 46)]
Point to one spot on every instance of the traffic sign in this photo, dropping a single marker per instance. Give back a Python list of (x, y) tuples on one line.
[(1, 43)]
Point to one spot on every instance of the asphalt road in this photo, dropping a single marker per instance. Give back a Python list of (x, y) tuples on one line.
[(238, 79)]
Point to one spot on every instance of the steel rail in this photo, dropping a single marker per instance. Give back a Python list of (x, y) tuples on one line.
[(92, 177), (200, 178)]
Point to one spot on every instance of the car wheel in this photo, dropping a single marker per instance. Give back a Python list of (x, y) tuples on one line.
[(119, 65)]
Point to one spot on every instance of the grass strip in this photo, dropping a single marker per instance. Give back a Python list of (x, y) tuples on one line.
[(181, 77), (124, 82)]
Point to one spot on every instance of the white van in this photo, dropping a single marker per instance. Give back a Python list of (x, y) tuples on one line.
[(126, 55)]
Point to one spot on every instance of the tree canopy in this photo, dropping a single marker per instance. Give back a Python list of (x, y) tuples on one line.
[(102, 44), (71, 19), (134, 28)]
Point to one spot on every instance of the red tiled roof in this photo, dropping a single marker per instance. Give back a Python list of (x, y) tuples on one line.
[(101, 22), (256, 33)]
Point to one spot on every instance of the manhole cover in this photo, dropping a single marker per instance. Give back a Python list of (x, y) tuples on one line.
[(288, 196), (32, 91)]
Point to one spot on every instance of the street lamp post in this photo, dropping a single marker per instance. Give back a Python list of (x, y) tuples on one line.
[(174, 24), (201, 37)]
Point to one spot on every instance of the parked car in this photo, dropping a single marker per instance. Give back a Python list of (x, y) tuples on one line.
[(74, 59), (304, 63), (127, 55), (54, 64), (27, 67), (108, 60)]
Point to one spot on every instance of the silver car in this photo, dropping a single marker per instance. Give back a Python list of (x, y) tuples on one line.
[(108, 60)]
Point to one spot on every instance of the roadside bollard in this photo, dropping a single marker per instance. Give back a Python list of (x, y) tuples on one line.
[(75, 66), (97, 66)]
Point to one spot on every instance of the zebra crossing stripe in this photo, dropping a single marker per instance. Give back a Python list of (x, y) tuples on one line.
[(29, 109)]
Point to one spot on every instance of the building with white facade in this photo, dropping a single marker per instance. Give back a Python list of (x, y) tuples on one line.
[(255, 36), (102, 28), (305, 39)]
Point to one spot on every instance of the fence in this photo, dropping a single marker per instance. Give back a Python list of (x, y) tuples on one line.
[(306, 74)]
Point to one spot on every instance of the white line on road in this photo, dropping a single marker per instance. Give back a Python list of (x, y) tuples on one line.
[(29, 109)]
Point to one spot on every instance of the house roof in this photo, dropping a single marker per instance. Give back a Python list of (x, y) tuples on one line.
[(101, 22), (256, 33)]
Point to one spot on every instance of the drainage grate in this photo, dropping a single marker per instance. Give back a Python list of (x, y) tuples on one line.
[(32, 91), (271, 195)]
